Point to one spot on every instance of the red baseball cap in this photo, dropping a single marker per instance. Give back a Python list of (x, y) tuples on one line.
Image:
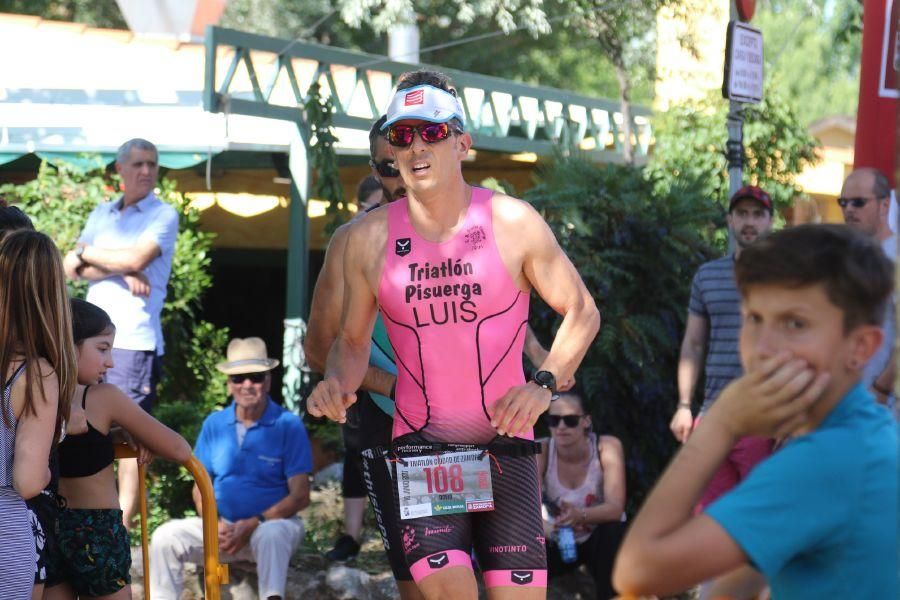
[(751, 192)]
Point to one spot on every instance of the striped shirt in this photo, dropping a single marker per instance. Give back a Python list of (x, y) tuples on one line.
[(714, 296)]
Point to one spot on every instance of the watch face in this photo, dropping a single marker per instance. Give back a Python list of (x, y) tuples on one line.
[(545, 379)]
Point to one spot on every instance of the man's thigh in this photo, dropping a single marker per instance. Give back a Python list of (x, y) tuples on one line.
[(136, 372), (281, 532), (184, 533)]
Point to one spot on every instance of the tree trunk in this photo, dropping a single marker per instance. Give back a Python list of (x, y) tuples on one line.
[(625, 104)]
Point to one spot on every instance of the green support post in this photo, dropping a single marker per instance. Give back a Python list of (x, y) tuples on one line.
[(295, 369)]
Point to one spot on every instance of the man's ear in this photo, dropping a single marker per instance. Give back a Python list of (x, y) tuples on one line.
[(464, 142), (865, 340)]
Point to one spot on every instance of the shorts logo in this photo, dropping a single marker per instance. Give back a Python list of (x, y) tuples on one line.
[(414, 97), (438, 560), (409, 539), (522, 577), (403, 246)]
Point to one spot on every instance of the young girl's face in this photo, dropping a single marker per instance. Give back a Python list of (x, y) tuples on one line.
[(95, 357)]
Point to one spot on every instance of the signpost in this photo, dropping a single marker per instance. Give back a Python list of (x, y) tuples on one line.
[(742, 83)]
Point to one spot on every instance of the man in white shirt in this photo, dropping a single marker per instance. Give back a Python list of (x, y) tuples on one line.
[(865, 202), (125, 251)]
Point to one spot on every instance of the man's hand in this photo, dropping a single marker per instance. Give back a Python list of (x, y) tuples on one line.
[(327, 400), (138, 284), (238, 536), (771, 400), (682, 423), (225, 531), (519, 408)]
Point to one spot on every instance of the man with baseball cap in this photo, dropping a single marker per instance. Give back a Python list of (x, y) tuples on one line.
[(451, 268), (711, 333), (259, 458)]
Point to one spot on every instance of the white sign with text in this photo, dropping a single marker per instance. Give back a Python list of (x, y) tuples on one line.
[(743, 63)]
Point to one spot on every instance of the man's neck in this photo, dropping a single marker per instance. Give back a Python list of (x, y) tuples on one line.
[(440, 211), (130, 200), (249, 416), (883, 233)]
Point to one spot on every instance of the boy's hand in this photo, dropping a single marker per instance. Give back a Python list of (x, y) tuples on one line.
[(771, 400), (682, 423)]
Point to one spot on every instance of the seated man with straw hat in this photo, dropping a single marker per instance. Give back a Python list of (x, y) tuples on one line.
[(259, 459)]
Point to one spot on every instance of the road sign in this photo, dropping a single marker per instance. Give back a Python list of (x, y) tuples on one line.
[(743, 63)]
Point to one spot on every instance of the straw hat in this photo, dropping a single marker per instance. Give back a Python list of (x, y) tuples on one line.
[(246, 355)]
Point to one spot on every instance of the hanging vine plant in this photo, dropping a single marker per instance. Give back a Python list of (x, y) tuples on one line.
[(323, 158)]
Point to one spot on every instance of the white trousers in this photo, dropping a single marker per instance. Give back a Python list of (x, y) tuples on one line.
[(177, 542)]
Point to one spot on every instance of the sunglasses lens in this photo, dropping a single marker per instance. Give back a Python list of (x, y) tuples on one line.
[(253, 377), (400, 135), (435, 132), (571, 420), (386, 168)]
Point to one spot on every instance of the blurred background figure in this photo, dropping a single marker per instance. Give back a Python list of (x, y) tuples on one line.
[(584, 492), (369, 193)]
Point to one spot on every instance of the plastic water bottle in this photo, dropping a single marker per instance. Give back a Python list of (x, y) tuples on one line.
[(565, 537)]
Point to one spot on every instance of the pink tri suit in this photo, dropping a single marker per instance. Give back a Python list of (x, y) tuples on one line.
[(456, 321)]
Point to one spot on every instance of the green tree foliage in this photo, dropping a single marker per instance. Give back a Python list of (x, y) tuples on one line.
[(99, 13), (637, 249), (690, 147), (812, 50), (59, 201)]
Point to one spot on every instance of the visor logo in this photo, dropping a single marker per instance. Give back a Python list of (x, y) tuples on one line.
[(414, 97), (403, 246), (522, 577)]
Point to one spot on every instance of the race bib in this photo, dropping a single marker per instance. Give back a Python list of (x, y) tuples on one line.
[(454, 482)]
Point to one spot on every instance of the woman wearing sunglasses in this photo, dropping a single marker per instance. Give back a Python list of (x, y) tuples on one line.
[(584, 488)]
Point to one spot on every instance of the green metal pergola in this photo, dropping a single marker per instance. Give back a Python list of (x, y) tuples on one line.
[(260, 76)]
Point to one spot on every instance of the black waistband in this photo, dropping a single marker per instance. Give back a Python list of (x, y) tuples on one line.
[(498, 446)]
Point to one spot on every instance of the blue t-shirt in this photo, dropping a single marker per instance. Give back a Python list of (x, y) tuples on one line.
[(250, 478), (819, 518)]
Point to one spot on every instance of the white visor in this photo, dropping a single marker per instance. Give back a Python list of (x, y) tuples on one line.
[(424, 103)]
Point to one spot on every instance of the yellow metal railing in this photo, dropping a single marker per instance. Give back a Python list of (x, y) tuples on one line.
[(215, 574)]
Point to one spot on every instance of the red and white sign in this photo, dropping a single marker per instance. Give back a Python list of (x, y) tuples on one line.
[(876, 117), (415, 97), (890, 52)]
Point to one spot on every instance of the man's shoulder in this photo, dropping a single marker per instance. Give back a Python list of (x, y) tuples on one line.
[(217, 417), (717, 266)]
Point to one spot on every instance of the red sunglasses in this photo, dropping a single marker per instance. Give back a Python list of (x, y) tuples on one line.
[(402, 135)]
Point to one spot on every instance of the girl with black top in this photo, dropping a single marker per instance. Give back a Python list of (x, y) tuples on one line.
[(93, 543)]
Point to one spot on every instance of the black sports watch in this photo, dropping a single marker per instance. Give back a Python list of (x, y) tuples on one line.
[(546, 380), (261, 518)]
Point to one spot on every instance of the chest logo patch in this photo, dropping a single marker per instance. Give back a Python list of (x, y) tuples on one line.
[(402, 246), (475, 237)]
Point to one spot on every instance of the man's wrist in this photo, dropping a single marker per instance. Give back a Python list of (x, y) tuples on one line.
[(260, 518), (682, 404)]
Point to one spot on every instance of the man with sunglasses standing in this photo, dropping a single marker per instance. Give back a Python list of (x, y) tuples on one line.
[(865, 203), (259, 459), (451, 268), (370, 420), (711, 333)]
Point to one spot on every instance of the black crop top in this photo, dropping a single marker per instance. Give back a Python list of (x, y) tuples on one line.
[(86, 453)]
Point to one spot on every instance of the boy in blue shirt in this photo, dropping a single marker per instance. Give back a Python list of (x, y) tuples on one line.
[(819, 518)]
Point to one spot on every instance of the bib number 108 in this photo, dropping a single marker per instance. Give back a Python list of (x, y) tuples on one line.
[(439, 481)]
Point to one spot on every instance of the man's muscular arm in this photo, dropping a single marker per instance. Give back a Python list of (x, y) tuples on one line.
[(349, 356), (325, 315), (555, 279)]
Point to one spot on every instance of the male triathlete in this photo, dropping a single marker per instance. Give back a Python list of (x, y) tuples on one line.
[(375, 407), (451, 268)]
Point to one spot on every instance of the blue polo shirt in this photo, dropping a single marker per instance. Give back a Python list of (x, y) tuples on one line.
[(250, 478), (819, 517)]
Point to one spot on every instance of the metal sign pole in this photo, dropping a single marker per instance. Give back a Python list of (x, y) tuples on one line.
[(734, 147)]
